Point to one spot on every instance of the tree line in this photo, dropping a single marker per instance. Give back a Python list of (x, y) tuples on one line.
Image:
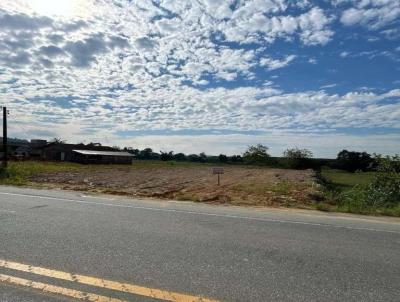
[(295, 158)]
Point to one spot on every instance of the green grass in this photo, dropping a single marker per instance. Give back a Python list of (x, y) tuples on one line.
[(346, 192), (18, 173), (342, 180)]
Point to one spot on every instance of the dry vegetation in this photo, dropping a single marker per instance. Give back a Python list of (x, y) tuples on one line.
[(240, 185)]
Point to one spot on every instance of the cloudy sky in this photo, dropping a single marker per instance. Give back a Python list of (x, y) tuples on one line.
[(204, 75)]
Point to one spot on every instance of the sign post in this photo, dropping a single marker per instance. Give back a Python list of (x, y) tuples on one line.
[(218, 171)]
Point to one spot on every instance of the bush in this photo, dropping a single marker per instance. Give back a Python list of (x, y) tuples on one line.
[(382, 195), (296, 158), (256, 154), (385, 188)]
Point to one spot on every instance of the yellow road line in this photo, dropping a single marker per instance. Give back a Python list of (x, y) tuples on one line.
[(104, 283), (48, 288)]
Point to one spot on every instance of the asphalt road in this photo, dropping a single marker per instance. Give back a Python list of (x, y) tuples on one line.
[(165, 248)]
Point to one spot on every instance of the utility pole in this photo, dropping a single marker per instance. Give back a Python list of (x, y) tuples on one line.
[(5, 156)]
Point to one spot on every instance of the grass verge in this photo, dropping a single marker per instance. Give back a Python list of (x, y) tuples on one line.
[(18, 173), (351, 193)]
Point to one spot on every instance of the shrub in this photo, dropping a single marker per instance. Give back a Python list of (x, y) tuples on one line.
[(384, 190), (296, 158), (256, 154), (382, 195)]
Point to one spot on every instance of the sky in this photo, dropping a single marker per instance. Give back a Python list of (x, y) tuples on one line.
[(204, 75)]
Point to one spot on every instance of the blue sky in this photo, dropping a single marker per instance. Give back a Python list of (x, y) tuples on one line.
[(211, 75)]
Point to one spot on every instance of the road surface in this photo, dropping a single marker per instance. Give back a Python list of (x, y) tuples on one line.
[(68, 246)]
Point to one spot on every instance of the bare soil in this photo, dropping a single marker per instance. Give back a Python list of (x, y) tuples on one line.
[(239, 185)]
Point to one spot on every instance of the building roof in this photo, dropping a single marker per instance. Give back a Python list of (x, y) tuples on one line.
[(107, 153)]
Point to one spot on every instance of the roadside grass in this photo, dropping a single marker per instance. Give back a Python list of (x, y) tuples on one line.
[(18, 172), (347, 192), (186, 196), (343, 180)]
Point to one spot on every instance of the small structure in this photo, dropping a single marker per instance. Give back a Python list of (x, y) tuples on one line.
[(64, 152), (17, 148), (21, 152), (101, 157)]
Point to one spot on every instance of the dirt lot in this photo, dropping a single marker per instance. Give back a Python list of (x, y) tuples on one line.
[(239, 184)]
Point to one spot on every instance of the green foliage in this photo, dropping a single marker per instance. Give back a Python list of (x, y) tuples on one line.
[(256, 154), (179, 156), (164, 156), (296, 158), (353, 161), (378, 193), (384, 190), (235, 159), (296, 153), (343, 180), (223, 158)]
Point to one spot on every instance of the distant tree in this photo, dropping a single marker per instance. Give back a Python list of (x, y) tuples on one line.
[(296, 153), (235, 159), (193, 157), (298, 158), (223, 158), (352, 161), (256, 154), (146, 153), (203, 157), (166, 155), (57, 140), (179, 156), (132, 151)]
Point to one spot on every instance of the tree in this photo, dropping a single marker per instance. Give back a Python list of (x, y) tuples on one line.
[(352, 161), (235, 159), (132, 151), (146, 153), (193, 157), (298, 158), (166, 155), (203, 157), (296, 153), (179, 156), (256, 154), (223, 158), (57, 140)]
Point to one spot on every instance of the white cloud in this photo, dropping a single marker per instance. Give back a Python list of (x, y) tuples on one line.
[(273, 64), (149, 65), (344, 54), (371, 13)]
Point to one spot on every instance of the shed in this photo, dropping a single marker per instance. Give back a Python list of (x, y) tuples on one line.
[(101, 157)]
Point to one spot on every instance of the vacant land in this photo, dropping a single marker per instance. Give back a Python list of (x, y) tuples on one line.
[(240, 185)]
